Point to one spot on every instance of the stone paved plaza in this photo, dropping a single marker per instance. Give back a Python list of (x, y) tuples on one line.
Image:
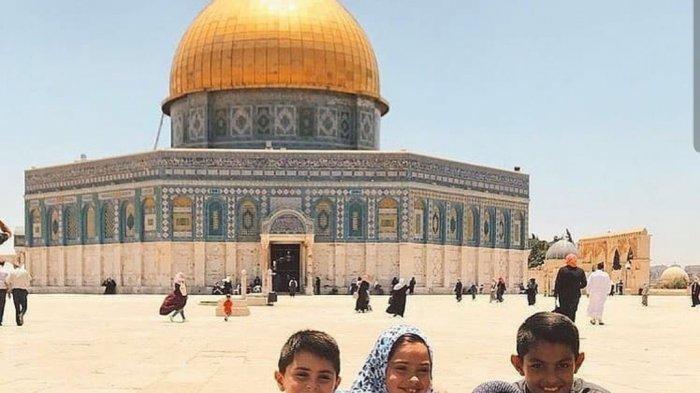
[(86, 343)]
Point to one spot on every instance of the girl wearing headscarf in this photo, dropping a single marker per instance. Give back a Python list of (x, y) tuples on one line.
[(175, 302), (397, 301), (400, 361)]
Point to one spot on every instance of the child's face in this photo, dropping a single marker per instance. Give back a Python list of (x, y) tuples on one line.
[(548, 367), (409, 369), (308, 373)]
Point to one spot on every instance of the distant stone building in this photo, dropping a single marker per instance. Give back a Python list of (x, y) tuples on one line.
[(624, 254)]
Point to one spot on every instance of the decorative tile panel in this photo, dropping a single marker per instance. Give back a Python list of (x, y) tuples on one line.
[(327, 122), (241, 120), (196, 124), (263, 120), (285, 120)]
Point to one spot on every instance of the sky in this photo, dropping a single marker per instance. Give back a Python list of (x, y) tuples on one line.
[(592, 99)]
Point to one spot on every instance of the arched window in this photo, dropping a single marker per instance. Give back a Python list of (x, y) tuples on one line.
[(436, 222), (500, 227), (324, 219), (70, 224), (388, 219), (54, 226), (453, 224), (108, 221), (517, 236), (215, 219), (486, 227), (418, 219), (35, 225), (89, 225), (149, 216), (128, 220), (471, 226), (616, 261), (182, 217), (356, 220), (250, 222)]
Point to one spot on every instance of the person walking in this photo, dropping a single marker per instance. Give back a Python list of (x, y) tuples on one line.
[(492, 291), (175, 302), (695, 292), (598, 284), (5, 232), (228, 285), (458, 290), (17, 282), (317, 285), (412, 285), (228, 307), (397, 301), (110, 286), (531, 291), (567, 287), (362, 302), (500, 289), (472, 291), (645, 295), (293, 287), (4, 272), (353, 287)]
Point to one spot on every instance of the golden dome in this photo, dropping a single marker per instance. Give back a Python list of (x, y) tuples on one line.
[(305, 44)]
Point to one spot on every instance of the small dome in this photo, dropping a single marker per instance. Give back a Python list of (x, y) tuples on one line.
[(561, 249), (674, 274)]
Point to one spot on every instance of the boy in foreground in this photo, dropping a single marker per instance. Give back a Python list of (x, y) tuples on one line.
[(309, 362), (548, 356)]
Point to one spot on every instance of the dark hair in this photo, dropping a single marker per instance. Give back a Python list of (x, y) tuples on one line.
[(314, 342), (548, 327), (406, 338), (601, 266)]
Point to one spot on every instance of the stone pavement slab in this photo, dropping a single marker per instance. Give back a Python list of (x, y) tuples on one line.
[(91, 343)]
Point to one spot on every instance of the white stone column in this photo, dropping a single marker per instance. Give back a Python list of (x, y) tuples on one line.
[(428, 266), (117, 264), (307, 245), (406, 261), (264, 254), (371, 261), (199, 262), (340, 266), (231, 265), (244, 283)]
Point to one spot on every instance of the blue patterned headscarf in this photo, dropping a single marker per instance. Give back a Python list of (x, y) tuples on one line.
[(372, 377)]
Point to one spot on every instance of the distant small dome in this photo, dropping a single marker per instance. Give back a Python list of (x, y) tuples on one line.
[(561, 249), (674, 274)]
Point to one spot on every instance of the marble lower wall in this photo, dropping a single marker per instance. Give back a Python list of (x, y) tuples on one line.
[(149, 267)]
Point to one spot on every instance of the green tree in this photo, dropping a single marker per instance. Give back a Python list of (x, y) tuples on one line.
[(538, 250)]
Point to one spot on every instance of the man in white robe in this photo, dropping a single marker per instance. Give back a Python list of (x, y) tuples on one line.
[(598, 289)]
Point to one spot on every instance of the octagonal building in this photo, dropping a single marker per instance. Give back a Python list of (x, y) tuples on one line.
[(275, 112)]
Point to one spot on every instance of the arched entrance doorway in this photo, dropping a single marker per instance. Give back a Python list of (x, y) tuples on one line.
[(286, 242)]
